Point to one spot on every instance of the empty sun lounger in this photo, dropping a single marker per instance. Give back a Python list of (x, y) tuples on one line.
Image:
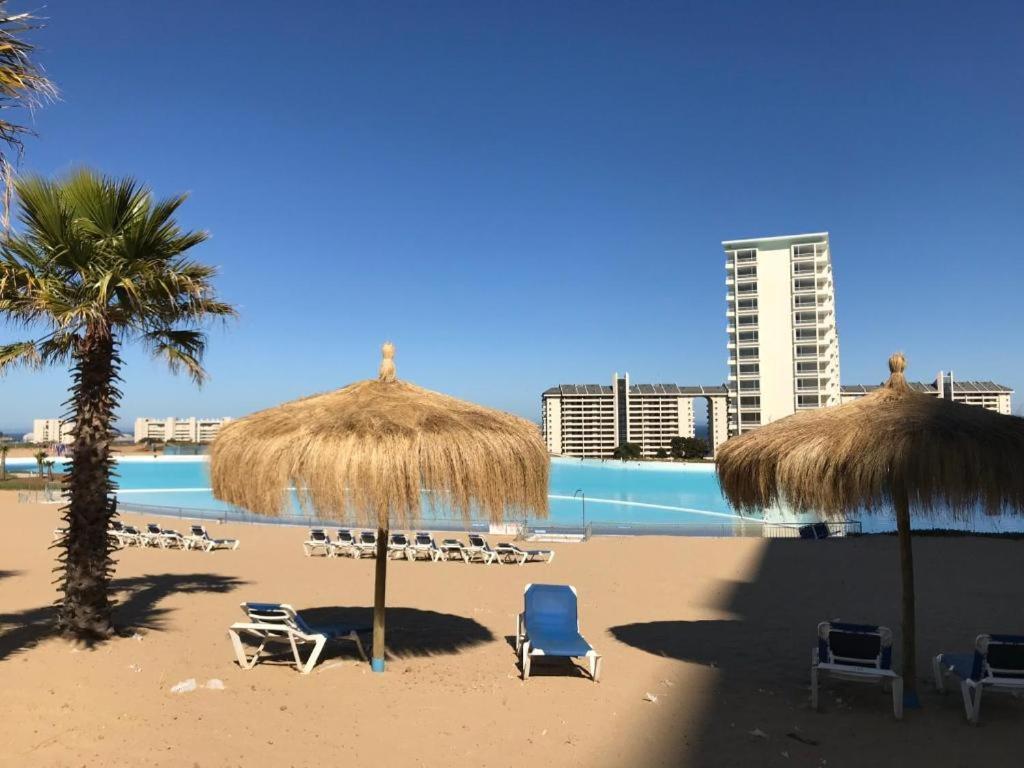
[(997, 665), (479, 549), (318, 541), (366, 546), (549, 626), (131, 536), (453, 549), (398, 545), (344, 544), (155, 536), (858, 652), (510, 553), (424, 546), (280, 624), (200, 539)]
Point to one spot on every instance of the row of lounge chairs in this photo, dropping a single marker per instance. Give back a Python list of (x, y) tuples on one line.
[(548, 627), (863, 653), (165, 538), (421, 546)]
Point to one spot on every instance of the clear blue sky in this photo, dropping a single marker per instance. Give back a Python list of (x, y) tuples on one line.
[(523, 194)]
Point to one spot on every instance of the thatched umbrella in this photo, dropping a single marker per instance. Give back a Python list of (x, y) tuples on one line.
[(368, 453), (893, 447)]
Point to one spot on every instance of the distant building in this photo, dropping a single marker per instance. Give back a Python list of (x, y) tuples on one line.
[(781, 320), (987, 394), (592, 420), (190, 430), (50, 431)]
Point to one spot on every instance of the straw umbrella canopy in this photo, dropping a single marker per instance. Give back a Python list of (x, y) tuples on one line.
[(369, 453), (894, 447)]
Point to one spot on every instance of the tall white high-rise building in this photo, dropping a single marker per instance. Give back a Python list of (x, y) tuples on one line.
[(783, 344)]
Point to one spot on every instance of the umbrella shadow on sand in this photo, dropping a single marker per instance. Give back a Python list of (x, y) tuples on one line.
[(411, 632), (138, 607)]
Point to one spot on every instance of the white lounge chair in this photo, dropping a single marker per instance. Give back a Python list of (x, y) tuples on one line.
[(318, 540), (131, 536), (858, 652), (344, 544), (366, 546), (453, 549), (200, 539), (479, 549), (997, 665), (280, 624), (398, 545), (424, 546), (510, 553)]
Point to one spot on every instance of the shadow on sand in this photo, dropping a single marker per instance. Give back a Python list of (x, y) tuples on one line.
[(410, 631), (759, 659), (138, 607)]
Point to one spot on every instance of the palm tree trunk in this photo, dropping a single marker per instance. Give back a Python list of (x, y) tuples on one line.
[(902, 504), (378, 600), (85, 613)]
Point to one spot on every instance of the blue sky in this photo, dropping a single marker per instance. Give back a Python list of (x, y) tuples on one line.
[(523, 194)]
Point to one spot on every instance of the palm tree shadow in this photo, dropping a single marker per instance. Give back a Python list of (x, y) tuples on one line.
[(138, 607), (411, 632)]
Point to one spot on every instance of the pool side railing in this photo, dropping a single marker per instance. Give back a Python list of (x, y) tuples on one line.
[(747, 527)]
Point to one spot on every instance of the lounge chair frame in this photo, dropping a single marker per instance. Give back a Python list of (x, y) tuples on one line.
[(318, 540), (284, 628), (527, 651), (983, 675), (856, 669)]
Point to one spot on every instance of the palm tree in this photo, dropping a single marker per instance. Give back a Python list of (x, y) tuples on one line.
[(4, 448), (99, 263), (22, 84), (40, 457)]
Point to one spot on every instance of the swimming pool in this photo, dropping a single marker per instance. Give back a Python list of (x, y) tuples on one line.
[(648, 493)]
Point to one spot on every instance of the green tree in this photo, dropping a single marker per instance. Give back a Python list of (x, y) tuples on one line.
[(4, 448), (661, 454), (99, 263), (689, 448), (40, 457), (22, 85), (628, 452)]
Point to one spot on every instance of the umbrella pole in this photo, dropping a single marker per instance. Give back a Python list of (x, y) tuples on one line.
[(377, 664), (902, 504)]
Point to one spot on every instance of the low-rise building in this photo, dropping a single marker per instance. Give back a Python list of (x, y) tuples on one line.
[(592, 420), (183, 430), (987, 394)]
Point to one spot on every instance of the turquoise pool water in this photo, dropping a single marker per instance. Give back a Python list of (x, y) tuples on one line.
[(616, 492)]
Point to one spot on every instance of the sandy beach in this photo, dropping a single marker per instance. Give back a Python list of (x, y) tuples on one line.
[(717, 630)]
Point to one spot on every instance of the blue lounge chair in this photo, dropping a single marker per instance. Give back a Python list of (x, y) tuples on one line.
[(996, 664), (549, 626), (279, 623), (858, 652)]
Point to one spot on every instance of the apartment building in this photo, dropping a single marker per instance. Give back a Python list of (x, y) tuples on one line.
[(186, 430), (986, 394), (781, 324), (592, 420), (49, 431)]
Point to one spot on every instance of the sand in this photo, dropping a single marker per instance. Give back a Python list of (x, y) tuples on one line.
[(718, 630)]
